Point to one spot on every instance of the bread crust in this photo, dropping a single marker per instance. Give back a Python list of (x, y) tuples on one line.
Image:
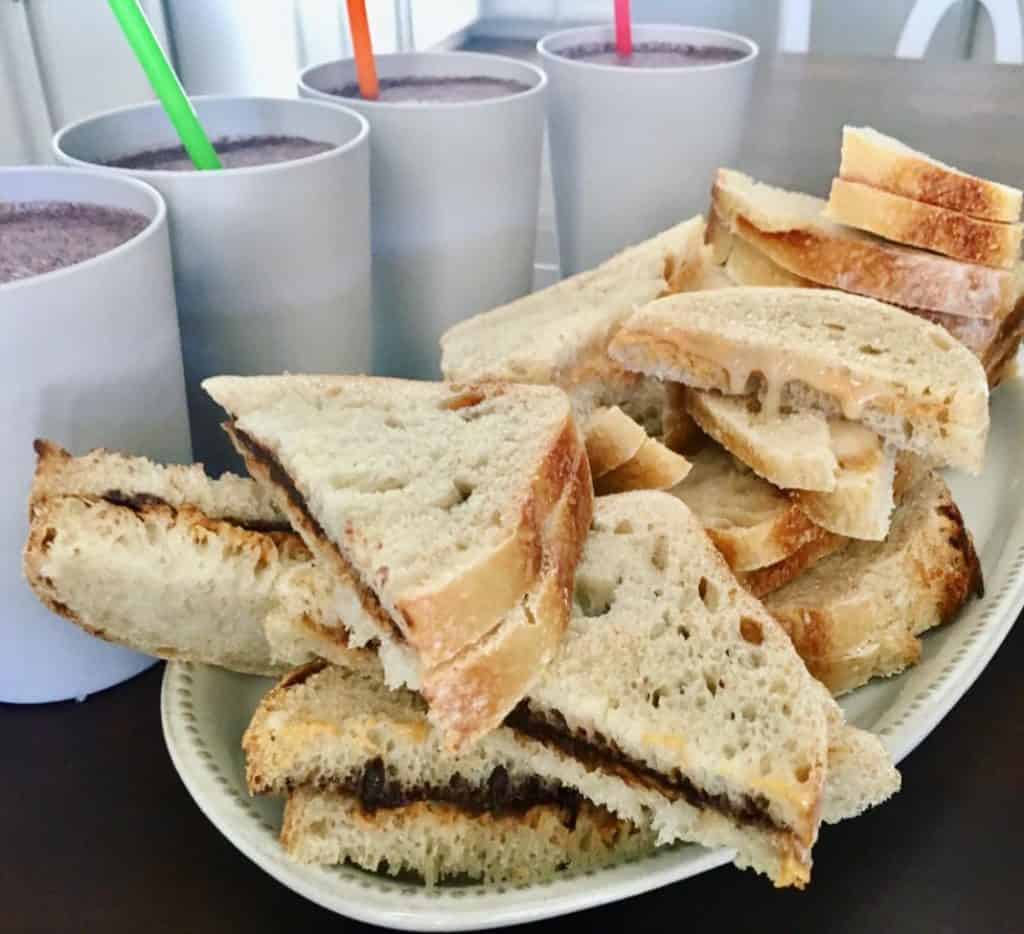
[(612, 438), (654, 467), (865, 265), (924, 225), (818, 546), (242, 650), (872, 158), (841, 616)]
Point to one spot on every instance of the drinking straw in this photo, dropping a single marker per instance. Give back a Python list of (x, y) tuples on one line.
[(362, 48), (623, 30), (165, 83)]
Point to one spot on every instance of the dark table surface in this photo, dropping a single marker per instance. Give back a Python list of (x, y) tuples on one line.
[(98, 833)]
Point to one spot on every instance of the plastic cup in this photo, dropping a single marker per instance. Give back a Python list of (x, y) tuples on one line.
[(634, 150), (454, 194), (271, 263), (90, 357)]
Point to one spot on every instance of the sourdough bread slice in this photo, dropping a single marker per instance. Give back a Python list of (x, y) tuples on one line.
[(120, 477), (653, 467), (117, 546), (788, 449), (752, 523), (558, 335), (993, 341), (789, 228), (874, 159), (696, 742), (924, 225), (436, 506), (858, 614), (436, 841), (900, 376)]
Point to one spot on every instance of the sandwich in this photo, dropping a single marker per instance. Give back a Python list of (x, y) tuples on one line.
[(676, 702), (818, 351), (450, 517), (389, 796), (163, 560)]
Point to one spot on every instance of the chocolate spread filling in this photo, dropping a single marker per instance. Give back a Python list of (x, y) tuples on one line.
[(597, 752), (500, 795), (279, 476), (139, 502)]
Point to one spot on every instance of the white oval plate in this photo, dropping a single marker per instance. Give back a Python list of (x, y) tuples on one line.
[(206, 710)]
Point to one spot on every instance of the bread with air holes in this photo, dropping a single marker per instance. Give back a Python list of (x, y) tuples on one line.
[(858, 614), (994, 340), (120, 546), (790, 228), (812, 349), (437, 841), (450, 514), (651, 585)]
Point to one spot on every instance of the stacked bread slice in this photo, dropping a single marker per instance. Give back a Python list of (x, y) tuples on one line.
[(887, 188)]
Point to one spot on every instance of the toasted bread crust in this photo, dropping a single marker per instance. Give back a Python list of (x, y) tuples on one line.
[(873, 159), (845, 628), (872, 267), (256, 549), (924, 225), (612, 438), (475, 691), (654, 467), (817, 547)]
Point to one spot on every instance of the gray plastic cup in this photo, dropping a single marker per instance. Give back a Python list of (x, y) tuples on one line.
[(455, 188), (271, 263), (634, 150), (90, 357)]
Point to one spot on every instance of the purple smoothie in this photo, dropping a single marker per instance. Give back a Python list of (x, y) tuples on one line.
[(437, 90), (235, 153), (41, 236), (653, 54)]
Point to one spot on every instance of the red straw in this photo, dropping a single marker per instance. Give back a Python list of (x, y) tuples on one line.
[(362, 48), (623, 29)]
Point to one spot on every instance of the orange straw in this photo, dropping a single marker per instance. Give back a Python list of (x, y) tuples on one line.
[(362, 47)]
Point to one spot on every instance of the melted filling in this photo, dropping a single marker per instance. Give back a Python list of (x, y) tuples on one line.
[(279, 476), (597, 752), (500, 795)]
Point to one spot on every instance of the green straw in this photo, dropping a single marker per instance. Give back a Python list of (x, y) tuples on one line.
[(165, 83)]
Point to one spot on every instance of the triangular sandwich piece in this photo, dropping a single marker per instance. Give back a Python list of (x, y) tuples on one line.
[(841, 355), (451, 516)]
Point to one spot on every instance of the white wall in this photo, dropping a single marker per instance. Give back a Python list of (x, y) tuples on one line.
[(61, 60)]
